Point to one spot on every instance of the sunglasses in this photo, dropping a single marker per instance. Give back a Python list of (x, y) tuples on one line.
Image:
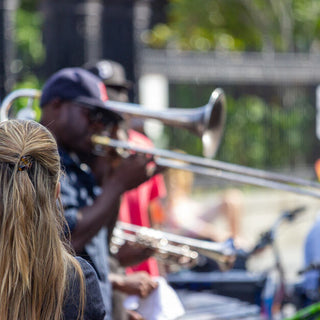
[(95, 115)]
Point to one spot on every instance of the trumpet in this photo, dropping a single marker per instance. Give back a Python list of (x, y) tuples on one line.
[(172, 248), (169, 254)]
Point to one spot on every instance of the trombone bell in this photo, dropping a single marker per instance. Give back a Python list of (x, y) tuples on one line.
[(213, 123), (206, 122)]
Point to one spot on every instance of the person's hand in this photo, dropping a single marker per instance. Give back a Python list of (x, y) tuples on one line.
[(134, 315), (101, 167), (131, 254), (134, 170), (139, 283)]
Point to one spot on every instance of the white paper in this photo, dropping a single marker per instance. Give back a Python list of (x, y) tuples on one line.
[(162, 303)]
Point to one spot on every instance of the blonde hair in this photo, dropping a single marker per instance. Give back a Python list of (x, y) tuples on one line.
[(34, 260)]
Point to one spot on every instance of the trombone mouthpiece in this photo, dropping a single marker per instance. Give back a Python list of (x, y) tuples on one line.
[(102, 140)]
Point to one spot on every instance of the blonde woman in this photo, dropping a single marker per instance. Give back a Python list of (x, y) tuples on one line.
[(39, 277)]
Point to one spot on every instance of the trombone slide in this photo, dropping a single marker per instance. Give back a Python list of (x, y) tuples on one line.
[(218, 169)]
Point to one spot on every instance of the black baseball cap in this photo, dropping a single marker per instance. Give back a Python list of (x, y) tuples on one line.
[(78, 85), (110, 72)]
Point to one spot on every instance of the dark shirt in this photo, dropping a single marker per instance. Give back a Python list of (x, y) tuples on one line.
[(94, 305), (78, 187), (78, 190)]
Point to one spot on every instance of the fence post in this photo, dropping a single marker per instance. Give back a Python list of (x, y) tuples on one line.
[(7, 48), (72, 33)]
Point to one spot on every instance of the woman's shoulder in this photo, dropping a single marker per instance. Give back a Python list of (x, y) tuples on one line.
[(86, 267), (91, 277), (94, 306)]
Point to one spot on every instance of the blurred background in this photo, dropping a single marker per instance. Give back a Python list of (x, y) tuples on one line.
[(265, 55)]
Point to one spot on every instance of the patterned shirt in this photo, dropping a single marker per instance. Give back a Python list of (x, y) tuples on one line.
[(79, 189)]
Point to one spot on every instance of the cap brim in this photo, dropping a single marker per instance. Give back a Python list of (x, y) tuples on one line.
[(126, 85), (95, 103)]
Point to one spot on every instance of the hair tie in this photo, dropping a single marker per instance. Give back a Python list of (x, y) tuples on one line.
[(25, 163)]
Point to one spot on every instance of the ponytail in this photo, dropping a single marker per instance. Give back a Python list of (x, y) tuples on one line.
[(34, 262)]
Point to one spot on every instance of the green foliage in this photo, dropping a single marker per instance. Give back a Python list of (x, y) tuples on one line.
[(264, 135), (256, 134), (30, 81), (240, 25), (259, 132), (28, 38)]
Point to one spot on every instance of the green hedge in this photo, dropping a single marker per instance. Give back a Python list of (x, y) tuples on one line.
[(257, 133)]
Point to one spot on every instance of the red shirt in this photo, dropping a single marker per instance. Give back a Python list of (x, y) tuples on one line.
[(135, 203)]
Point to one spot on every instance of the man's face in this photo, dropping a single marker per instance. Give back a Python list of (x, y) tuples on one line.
[(77, 123)]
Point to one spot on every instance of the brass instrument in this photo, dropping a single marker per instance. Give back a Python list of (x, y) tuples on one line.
[(169, 254), (172, 248), (219, 169), (27, 112), (207, 122)]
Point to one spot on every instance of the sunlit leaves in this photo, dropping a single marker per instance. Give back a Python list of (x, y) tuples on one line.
[(29, 36), (251, 25)]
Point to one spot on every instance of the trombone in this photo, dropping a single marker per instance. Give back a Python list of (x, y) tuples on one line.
[(218, 169), (208, 123)]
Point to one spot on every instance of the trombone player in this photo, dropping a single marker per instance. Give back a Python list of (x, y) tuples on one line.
[(73, 110)]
